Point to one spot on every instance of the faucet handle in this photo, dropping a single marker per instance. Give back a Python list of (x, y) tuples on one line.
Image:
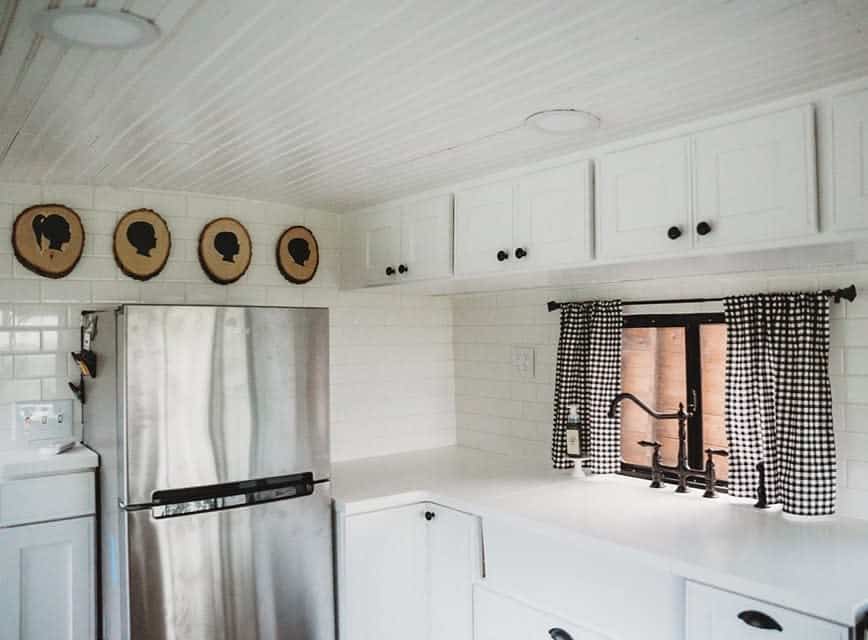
[(717, 452), (646, 443)]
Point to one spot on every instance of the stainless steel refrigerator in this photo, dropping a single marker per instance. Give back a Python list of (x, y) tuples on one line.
[(215, 515)]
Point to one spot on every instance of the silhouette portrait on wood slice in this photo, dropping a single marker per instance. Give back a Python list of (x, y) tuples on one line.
[(297, 255), (48, 239), (142, 243), (224, 250)]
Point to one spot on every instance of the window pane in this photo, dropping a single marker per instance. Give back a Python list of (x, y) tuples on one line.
[(653, 367), (712, 340)]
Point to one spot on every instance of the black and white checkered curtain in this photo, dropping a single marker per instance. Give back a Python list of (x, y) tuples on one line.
[(779, 400), (588, 374)]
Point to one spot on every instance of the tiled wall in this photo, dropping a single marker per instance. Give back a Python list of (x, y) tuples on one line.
[(500, 411), (392, 375)]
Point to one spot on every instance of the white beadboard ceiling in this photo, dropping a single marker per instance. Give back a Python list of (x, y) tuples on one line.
[(342, 104)]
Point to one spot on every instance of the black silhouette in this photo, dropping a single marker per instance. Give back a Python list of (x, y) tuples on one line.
[(142, 236), (226, 244), (54, 227), (299, 250)]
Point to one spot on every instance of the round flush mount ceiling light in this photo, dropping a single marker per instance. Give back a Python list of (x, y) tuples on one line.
[(95, 28), (562, 121)]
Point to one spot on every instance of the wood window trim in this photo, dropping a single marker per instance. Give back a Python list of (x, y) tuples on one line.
[(691, 322)]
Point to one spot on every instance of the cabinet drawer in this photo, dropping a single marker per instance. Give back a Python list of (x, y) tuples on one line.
[(499, 617), (48, 498), (713, 614)]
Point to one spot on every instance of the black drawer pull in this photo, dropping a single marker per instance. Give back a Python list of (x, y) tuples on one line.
[(559, 634), (759, 620), (429, 515)]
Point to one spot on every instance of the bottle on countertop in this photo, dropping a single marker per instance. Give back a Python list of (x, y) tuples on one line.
[(574, 432)]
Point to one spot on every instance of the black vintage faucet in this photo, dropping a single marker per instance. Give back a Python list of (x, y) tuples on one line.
[(682, 470)]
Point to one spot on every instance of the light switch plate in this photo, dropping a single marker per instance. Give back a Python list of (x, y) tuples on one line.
[(522, 361), (44, 420)]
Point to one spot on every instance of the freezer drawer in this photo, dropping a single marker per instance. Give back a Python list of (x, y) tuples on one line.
[(221, 394), (260, 572)]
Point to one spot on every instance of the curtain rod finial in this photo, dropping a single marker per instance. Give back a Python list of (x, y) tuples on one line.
[(552, 305), (849, 293)]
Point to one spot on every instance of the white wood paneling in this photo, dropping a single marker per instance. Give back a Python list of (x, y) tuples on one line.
[(340, 105), (851, 161)]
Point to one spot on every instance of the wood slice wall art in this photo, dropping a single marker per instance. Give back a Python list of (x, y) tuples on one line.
[(224, 250), (48, 239), (142, 243), (297, 254)]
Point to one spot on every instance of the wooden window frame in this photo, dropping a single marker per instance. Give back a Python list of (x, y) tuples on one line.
[(691, 323)]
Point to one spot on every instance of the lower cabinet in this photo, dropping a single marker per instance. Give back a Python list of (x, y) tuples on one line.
[(408, 572), (500, 617), (47, 580), (714, 614)]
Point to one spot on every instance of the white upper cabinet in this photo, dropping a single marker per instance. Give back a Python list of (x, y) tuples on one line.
[(643, 200), (850, 122), (412, 241), (541, 220), (483, 228), (755, 180)]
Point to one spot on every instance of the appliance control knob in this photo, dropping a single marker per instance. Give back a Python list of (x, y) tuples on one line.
[(502, 255), (520, 253), (402, 268), (674, 232), (703, 228), (390, 271), (429, 515)]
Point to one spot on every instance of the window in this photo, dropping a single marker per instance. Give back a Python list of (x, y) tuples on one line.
[(666, 358)]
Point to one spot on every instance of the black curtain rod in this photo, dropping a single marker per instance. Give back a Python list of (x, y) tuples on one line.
[(847, 293)]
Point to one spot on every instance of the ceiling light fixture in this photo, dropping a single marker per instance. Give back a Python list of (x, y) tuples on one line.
[(95, 28), (562, 121)]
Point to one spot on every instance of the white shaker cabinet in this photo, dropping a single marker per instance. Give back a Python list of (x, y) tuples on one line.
[(408, 572), (540, 220), (850, 123), (47, 580), (643, 200), (755, 181), (412, 241)]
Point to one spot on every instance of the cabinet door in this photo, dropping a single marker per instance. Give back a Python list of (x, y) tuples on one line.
[(713, 614), (851, 161), (47, 581), (381, 231), (642, 193), (756, 180), (384, 571), (454, 563), (553, 217), (483, 227), (426, 238)]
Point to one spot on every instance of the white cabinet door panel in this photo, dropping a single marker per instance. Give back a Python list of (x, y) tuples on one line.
[(47, 581), (483, 226), (755, 180), (385, 574), (713, 614), (851, 161), (641, 193), (382, 244), (553, 218), (426, 238)]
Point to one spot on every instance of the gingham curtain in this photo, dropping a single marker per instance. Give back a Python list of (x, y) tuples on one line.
[(779, 400), (588, 373)]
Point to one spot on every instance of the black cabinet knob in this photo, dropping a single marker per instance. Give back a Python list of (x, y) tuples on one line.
[(759, 620), (674, 232), (559, 634), (390, 271), (502, 255), (703, 228), (429, 515), (520, 253), (402, 268)]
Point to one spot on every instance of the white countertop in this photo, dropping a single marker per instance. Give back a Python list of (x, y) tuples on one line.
[(819, 566), (27, 463)]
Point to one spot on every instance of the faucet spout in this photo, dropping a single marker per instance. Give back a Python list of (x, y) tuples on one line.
[(629, 396)]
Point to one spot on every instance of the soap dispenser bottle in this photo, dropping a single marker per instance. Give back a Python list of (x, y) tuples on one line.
[(574, 433)]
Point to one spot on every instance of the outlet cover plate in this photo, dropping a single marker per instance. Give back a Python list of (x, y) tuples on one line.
[(44, 420), (523, 361)]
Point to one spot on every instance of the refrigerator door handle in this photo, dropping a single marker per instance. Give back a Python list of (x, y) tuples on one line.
[(229, 495)]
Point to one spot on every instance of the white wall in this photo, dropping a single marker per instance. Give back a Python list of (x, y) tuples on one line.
[(391, 354), (499, 411)]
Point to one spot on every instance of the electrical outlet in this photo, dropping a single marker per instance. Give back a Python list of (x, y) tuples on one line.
[(522, 361), (46, 420)]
